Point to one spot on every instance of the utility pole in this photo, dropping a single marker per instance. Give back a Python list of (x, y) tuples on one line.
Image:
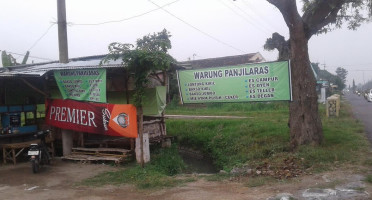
[(67, 137), (62, 31)]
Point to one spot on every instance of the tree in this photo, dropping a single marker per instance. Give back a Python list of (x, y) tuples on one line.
[(342, 73), (8, 60), (144, 60), (319, 16)]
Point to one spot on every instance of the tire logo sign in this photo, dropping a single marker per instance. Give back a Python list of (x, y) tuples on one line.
[(122, 119)]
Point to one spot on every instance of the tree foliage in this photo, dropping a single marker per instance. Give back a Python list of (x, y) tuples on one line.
[(368, 85), (342, 74), (321, 16), (8, 60), (278, 42), (148, 56), (326, 75)]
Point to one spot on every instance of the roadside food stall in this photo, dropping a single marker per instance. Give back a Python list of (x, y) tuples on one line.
[(21, 112), (83, 97)]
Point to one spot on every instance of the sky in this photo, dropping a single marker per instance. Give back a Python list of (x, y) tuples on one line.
[(199, 29)]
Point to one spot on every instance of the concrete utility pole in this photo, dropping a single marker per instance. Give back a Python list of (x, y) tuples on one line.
[(62, 31), (67, 137)]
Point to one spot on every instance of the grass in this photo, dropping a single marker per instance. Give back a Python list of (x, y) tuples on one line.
[(369, 178), (142, 178), (220, 109), (160, 173), (264, 137), (258, 181), (261, 138)]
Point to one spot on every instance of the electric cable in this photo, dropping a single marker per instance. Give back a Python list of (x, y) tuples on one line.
[(245, 19), (125, 19), (19, 54), (249, 5), (41, 37), (197, 29), (254, 17)]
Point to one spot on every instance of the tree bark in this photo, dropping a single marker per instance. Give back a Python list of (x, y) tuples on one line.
[(304, 121), (140, 133)]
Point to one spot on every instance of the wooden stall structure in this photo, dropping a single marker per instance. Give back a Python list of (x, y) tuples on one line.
[(31, 84)]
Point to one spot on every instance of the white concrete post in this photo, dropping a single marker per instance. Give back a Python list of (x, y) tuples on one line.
[(146, 148), (67, 142)]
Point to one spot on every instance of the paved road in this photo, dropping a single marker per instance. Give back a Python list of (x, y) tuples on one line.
[(362, 110)]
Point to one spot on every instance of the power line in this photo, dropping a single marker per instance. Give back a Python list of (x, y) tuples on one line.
[(249, 5), (206, 34), (267, 28), (353, 65), (19, 54), (244, 18), (41, 37), (125, 19)]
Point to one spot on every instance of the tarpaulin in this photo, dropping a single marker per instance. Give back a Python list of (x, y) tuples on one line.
[(98, 118)]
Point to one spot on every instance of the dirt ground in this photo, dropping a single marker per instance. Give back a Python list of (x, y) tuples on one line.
[(60, 181)]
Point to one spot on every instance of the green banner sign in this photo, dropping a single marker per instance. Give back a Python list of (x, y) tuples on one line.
[(82, 84), (243, 83)]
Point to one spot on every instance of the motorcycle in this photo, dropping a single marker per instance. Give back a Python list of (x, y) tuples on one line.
[(39, 154)]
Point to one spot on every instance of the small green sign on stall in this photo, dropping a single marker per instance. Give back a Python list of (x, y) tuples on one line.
[(82, 84), (269, 81)]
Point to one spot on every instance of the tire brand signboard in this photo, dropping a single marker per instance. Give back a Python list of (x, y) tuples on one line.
[(98, 118), (243, 83)]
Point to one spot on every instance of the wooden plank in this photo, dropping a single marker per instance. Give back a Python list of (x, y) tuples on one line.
[(91, 158), (21, 144), (99, 154), (101, 149)]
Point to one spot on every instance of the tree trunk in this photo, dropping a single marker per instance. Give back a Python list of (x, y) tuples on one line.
[(140, 133), (304, 121)]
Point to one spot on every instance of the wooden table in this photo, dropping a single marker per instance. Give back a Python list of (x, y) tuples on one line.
[(13, 150), (14, 144)]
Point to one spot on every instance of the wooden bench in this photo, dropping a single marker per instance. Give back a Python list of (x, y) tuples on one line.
[(12, 150)]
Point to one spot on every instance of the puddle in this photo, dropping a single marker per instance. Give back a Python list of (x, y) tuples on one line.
[(197, 162)]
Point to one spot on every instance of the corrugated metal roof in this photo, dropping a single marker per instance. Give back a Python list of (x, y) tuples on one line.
[(223, 61), (40, 69)]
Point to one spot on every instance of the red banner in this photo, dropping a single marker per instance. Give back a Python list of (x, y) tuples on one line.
[(99, 118)]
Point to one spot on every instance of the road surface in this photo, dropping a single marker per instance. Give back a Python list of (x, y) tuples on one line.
[(362, 110)]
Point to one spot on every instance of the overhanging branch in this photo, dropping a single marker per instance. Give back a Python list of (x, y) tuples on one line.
[(288, 8), (320, 14)]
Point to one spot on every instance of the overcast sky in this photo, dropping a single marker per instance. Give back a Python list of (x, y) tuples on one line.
[(199, 29)]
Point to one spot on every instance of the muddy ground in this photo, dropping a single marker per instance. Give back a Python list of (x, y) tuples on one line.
[(61, 181)]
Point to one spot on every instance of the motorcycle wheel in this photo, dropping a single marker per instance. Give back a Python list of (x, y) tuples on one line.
[(35, 166), (46, 158)]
